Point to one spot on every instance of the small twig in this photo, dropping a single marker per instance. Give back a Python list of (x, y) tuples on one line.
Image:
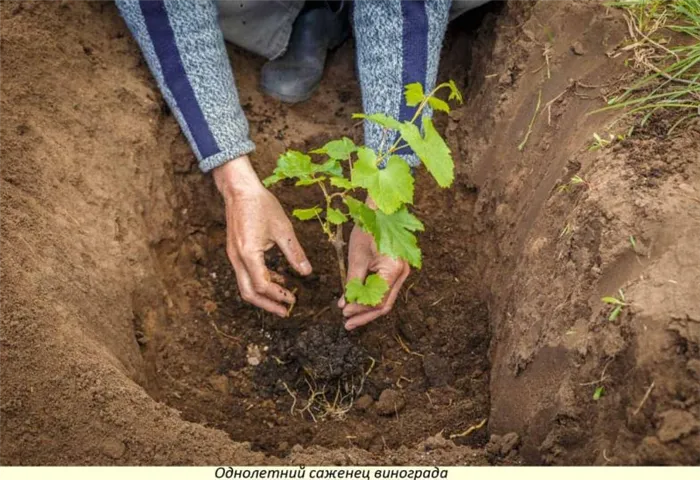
[(644, 399), (291, 306), (321, 312), (469, 430), (549, 106), (406, 349), (294, 397), (602, 378), (532, 122), (605, 456), (231, 337), (398, 381), (437, 301)]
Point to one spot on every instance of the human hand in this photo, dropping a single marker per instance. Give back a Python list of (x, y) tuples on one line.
[(255, 222), (364, 258)]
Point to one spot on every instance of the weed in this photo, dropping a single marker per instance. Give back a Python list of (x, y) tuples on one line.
[(383, 176), (575, 181), (600, 142), (618, 302), (671, 78), (567, 230), (599, 391)]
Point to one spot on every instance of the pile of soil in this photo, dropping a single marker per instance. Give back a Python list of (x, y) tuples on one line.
[(125, 341)]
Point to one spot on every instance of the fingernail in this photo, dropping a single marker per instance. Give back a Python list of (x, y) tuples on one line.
[(305, 267)]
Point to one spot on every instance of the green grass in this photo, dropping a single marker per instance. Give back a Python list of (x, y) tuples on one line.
[(665, 47)]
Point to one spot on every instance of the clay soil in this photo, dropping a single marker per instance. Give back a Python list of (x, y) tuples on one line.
[(124, 339)]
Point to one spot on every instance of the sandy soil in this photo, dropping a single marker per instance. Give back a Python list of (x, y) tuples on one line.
[(124, 340)]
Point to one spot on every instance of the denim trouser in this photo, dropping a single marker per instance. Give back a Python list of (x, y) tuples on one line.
[(264, 26)]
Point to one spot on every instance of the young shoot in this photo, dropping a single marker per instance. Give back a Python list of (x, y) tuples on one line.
[(347, 172), (618, 302)]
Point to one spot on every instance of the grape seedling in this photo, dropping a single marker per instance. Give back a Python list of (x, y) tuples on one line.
[(381, 175)]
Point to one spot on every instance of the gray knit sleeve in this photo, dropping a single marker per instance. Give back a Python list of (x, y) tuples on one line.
[(398, 42), (184, 48)]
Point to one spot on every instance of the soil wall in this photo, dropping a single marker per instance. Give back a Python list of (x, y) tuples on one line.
[(553, 252)]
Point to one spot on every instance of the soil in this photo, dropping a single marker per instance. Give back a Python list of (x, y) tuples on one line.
[(124, 339)]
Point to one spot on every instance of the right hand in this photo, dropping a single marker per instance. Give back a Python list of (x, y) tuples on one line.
[(255, 222)]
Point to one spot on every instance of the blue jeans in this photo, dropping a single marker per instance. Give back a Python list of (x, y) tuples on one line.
[(264, 27)]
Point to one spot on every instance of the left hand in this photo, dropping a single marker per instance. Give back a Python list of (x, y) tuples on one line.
[(364, 258)]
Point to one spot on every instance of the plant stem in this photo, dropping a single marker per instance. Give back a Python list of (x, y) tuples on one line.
[(338, 243), (416, 115), (336, 238)]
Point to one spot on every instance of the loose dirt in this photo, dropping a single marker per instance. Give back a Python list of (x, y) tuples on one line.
[(124, 339)]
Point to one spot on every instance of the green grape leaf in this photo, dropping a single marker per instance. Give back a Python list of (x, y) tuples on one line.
[(362, 215), (272, 179), (390, 187), (455, 94), (305, 182), (438, 104), (335, 216), (392, 233), (431, 149), (414, 94), (338, 149), (381, 119), (370, 293), (394, 237), (332, 167), (293, 164), (341, 182), (306, 213)]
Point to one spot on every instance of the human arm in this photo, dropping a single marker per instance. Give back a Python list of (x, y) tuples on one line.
[(184, 48), (397, 42)]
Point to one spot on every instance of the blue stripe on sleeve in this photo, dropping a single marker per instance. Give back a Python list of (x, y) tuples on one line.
[(415, 49), (175, 76)]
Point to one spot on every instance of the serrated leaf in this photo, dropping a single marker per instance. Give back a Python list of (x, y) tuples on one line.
[(394, 237), (431, 149), (438, 104), (599, 391), (272, 179), (370, 293), (455, 94), (611, 300), (414, 94), (293, 164), (381, 119), (362, 215), (341, 182), (306, 213), (338, 149), (305, 182), (392, 233), (335, 216), (331, 167), (390, 187)]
